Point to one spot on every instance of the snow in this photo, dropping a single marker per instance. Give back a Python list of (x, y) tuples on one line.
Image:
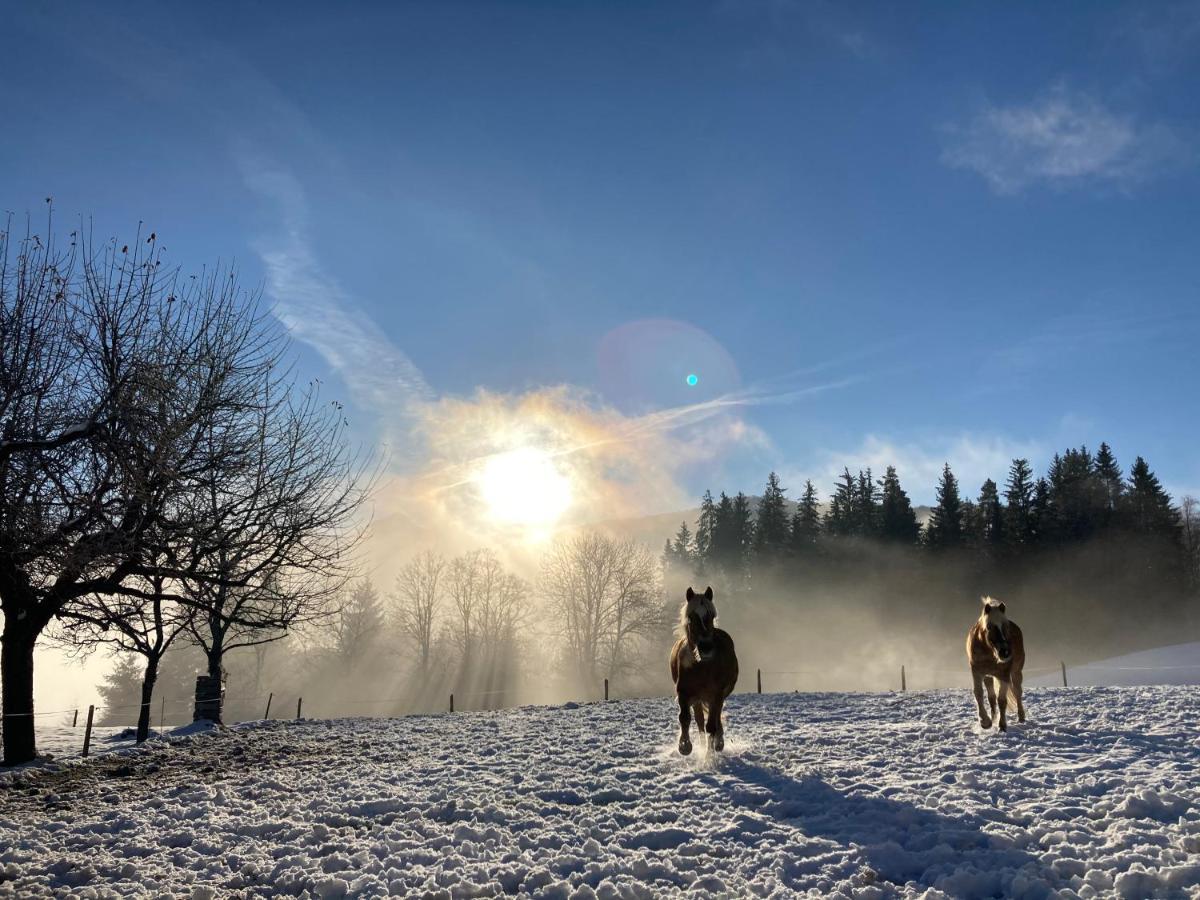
[(1177, 664), (63, 743), (863, 795)]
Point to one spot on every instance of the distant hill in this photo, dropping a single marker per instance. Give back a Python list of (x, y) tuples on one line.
[(655, 530)]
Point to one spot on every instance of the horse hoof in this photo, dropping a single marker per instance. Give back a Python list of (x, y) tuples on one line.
[(718, 743), (685, 746), (985, 724), (1003, 725), (1021, 717)]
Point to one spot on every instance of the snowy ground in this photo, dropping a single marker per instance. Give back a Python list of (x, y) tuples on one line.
[(1177, 664), (865, 795)]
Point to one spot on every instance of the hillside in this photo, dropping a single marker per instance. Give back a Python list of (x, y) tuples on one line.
[(866, 795), (1177, 664)]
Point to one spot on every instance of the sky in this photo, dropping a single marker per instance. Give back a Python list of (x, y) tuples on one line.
[(874, 233)]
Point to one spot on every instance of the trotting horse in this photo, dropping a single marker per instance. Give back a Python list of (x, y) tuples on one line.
[(704, 669), (996, 650)]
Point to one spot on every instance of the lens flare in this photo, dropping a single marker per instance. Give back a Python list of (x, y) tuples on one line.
[(692, 380)]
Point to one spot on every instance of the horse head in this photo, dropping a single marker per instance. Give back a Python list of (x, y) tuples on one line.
[(698, 623), (994, 625)]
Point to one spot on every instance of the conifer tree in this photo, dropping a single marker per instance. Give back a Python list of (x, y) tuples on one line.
[(866, 506), (898, 522), (771, 527), (704, 529), (724, 548), (839, 518), (1110, 485), (683, 548), (1039, 512), (806, 523), (989, 516), (945, 524), (743, 519), (1147, 507), (1018, 499)]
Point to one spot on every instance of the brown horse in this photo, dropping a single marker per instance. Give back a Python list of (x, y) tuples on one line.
[(996, 651), (704, 669)]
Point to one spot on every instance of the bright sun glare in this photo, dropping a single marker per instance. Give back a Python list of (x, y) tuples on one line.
[(525, 487)]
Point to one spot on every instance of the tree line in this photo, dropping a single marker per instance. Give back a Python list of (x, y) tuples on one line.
[(1082, 497), (464, 624)]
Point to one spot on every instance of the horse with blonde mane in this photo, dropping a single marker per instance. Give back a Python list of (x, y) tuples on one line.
[(996, 652), (704, 668)]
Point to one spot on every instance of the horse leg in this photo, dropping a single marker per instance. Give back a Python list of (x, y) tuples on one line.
[(716, 730), (685, 722), (698, 715), (1003, 705), (990, 684), (985, 721), (1017, 690)]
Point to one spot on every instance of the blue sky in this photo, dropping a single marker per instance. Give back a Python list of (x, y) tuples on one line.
[(875, 232)]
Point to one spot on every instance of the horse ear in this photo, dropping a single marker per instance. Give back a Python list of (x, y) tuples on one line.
[(1001, 607), (708, 593), (984, 601), (691, 595)]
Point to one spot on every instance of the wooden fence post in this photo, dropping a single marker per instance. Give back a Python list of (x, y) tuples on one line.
[(270, 697), (451, 703), (605, 688), (903, 680), (75, 721), (299, 704), (760, 681), (87, 734), (1064, 671)]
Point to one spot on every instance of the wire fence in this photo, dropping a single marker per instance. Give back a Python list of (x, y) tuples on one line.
[(766, 681)]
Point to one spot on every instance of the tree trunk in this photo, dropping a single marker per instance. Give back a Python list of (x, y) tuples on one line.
[(16, 680), (209, 690), (151, 676)]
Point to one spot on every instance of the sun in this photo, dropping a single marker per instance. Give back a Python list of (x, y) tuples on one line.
[(525, 487)]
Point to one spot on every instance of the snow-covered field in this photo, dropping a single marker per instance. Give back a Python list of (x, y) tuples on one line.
[(864, 795), (1177, 664)]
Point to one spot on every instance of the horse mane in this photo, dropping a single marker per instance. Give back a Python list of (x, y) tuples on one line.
[(681, 625)]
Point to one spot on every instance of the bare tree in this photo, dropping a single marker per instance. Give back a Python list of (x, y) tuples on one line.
[(105, 371), (277, 531), (140, 619), (148, 431), (462, 586), (417, 603), (603, 596)]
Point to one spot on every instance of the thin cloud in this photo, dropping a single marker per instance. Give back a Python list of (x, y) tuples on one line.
[(972, 457), (1063, 337), (1062, 139), (316, 310)]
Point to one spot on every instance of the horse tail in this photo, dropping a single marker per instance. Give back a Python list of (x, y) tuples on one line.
[(1011, 699)]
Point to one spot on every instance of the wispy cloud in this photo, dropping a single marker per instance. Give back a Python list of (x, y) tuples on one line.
[(1060, 339), (1166, 34), (1062, 138), (828, 22), (317, 310), (973, 458)]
